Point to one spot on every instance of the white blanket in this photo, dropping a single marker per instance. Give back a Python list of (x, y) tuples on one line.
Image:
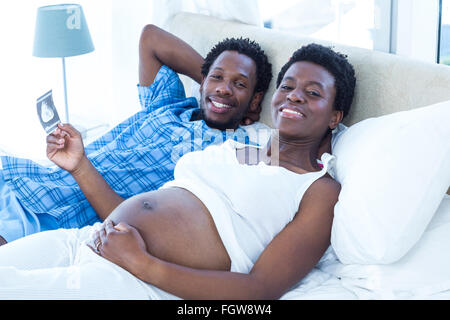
[(423, 273)]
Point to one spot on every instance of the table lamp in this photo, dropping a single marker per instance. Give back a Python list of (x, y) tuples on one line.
[(61, 31)]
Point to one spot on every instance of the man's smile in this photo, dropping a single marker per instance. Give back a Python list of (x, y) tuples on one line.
[(218, 106)]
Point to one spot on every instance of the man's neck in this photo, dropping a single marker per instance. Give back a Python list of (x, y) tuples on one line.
[(196, 115)]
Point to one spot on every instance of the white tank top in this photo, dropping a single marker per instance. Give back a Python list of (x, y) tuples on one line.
[(250, 204)]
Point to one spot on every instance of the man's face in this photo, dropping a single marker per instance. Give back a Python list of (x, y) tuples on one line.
[(227, 91)]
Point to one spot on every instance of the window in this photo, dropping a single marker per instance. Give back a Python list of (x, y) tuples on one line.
[(361, 23), (444, 32), (415, 29)]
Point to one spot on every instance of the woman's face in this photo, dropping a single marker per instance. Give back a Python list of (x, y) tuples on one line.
[(302, 106)]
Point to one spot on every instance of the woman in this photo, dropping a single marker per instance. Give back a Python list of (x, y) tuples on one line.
[(247, 223)]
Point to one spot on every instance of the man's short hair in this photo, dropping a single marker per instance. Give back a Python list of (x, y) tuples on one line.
[(335, 63), (246, 47)]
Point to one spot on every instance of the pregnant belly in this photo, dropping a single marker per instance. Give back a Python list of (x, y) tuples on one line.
[(176, 227)]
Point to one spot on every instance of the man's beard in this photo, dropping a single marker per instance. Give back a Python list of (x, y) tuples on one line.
[(230, 125)]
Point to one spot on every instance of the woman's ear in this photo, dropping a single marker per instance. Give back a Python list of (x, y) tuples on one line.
[(336, 118)]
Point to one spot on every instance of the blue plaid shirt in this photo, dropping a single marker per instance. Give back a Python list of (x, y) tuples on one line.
[(136, 156)]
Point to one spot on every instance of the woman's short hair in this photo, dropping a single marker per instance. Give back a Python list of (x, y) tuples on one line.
[(336, 63)]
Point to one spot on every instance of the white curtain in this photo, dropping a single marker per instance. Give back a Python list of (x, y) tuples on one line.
[(245, 11)]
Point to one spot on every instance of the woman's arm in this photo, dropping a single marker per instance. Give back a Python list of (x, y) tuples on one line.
[(288, 258)]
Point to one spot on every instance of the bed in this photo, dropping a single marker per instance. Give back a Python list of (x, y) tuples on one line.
[(391, 230), (423, 273)]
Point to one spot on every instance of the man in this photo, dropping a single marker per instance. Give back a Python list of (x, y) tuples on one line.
[(140, 153)]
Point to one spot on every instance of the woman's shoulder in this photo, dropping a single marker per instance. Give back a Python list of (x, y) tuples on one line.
[(325, 187)]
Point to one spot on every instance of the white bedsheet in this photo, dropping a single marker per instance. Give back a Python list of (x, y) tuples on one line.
[(423, 273)]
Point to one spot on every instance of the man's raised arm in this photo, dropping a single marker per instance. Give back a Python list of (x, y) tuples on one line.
[(158, 47)]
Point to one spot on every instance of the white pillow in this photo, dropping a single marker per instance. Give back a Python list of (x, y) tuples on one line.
[(423, 273), (394, 171)]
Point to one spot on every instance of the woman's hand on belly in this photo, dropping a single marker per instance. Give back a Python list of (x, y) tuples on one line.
[(121, 244)]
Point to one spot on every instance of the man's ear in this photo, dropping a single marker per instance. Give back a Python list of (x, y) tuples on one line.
[(255, 103), (336, 118), (201, 85)]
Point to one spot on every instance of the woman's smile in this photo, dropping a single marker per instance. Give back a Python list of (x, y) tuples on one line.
[(291, 113)]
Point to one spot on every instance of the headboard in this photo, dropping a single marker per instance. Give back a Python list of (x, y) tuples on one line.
[(386, 83)]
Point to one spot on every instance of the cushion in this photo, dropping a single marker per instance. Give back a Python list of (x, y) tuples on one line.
[(423, 273), (394, 171)]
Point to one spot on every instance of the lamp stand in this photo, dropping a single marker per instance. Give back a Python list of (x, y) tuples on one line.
[(80, 128), (65, 89)]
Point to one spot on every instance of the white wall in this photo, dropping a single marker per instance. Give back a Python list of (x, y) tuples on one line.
[(129, 17), (101, 85)]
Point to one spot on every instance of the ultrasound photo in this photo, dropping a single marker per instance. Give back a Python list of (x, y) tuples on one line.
[(48, 115)]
